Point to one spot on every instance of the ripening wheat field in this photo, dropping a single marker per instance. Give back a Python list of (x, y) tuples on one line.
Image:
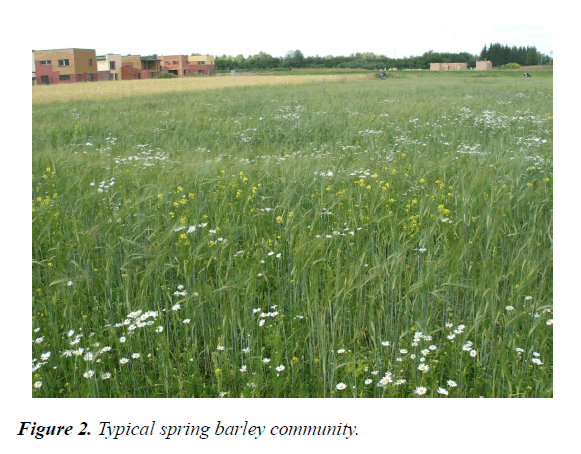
[(331, 239)]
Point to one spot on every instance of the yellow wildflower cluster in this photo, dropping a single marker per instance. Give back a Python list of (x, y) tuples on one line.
[(443, 211)]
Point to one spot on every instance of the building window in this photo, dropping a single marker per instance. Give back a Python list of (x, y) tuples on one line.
[(201, 71), (110, 76), (64, 62), (64, 77), (45, 62), (201, 63), (139, 75), (91, 77), (90, 62), (111, 65), (44, 80)]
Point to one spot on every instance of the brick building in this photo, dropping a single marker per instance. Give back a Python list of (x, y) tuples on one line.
[(138, 67), (183, 65), (483, 65), (58, 66), (202, 64), (448, 67)]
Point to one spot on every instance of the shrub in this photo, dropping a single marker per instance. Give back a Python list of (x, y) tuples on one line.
[(166, 76), (510, 66)]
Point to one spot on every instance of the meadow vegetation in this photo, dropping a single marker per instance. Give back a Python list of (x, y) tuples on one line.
[(336, 238)]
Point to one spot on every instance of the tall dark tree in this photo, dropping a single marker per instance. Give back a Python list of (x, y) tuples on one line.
[(484, 53)]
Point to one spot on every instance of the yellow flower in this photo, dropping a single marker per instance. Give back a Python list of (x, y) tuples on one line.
[(160, 196), (279, 219)]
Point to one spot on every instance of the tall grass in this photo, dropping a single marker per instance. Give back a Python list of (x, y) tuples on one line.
[(319, 226)]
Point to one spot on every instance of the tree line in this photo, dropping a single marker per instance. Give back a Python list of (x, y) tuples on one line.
[(368, 60), (500, 54)]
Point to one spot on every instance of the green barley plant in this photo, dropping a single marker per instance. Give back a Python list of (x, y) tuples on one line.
[(332, 239)]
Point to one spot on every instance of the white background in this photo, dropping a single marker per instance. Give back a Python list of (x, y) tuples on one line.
[(312, 26)]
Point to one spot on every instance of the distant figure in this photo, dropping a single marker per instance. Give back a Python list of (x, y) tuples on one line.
[(526, 75), (381, 74)]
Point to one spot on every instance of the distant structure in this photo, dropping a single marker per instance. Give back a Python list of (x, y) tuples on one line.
[(205, 64), (183, 65), (109, 66), (33, 70), (448, 67), (58, 66), (139, 67), (483, 65)]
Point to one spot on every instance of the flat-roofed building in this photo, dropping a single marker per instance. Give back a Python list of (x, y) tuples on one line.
[(183, 65), (202, 64), (483, 65), (57, 66), (141, 67), (111, 63), (448, 67)]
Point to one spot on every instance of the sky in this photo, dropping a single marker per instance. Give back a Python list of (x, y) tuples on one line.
[(313, 27)]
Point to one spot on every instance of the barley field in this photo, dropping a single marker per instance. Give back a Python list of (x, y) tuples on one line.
[(326, 237), (148, 87)]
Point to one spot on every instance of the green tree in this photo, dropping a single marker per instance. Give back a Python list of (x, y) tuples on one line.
[(484, 53)]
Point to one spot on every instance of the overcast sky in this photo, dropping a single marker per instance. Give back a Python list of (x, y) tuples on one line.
[(312, 26)]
